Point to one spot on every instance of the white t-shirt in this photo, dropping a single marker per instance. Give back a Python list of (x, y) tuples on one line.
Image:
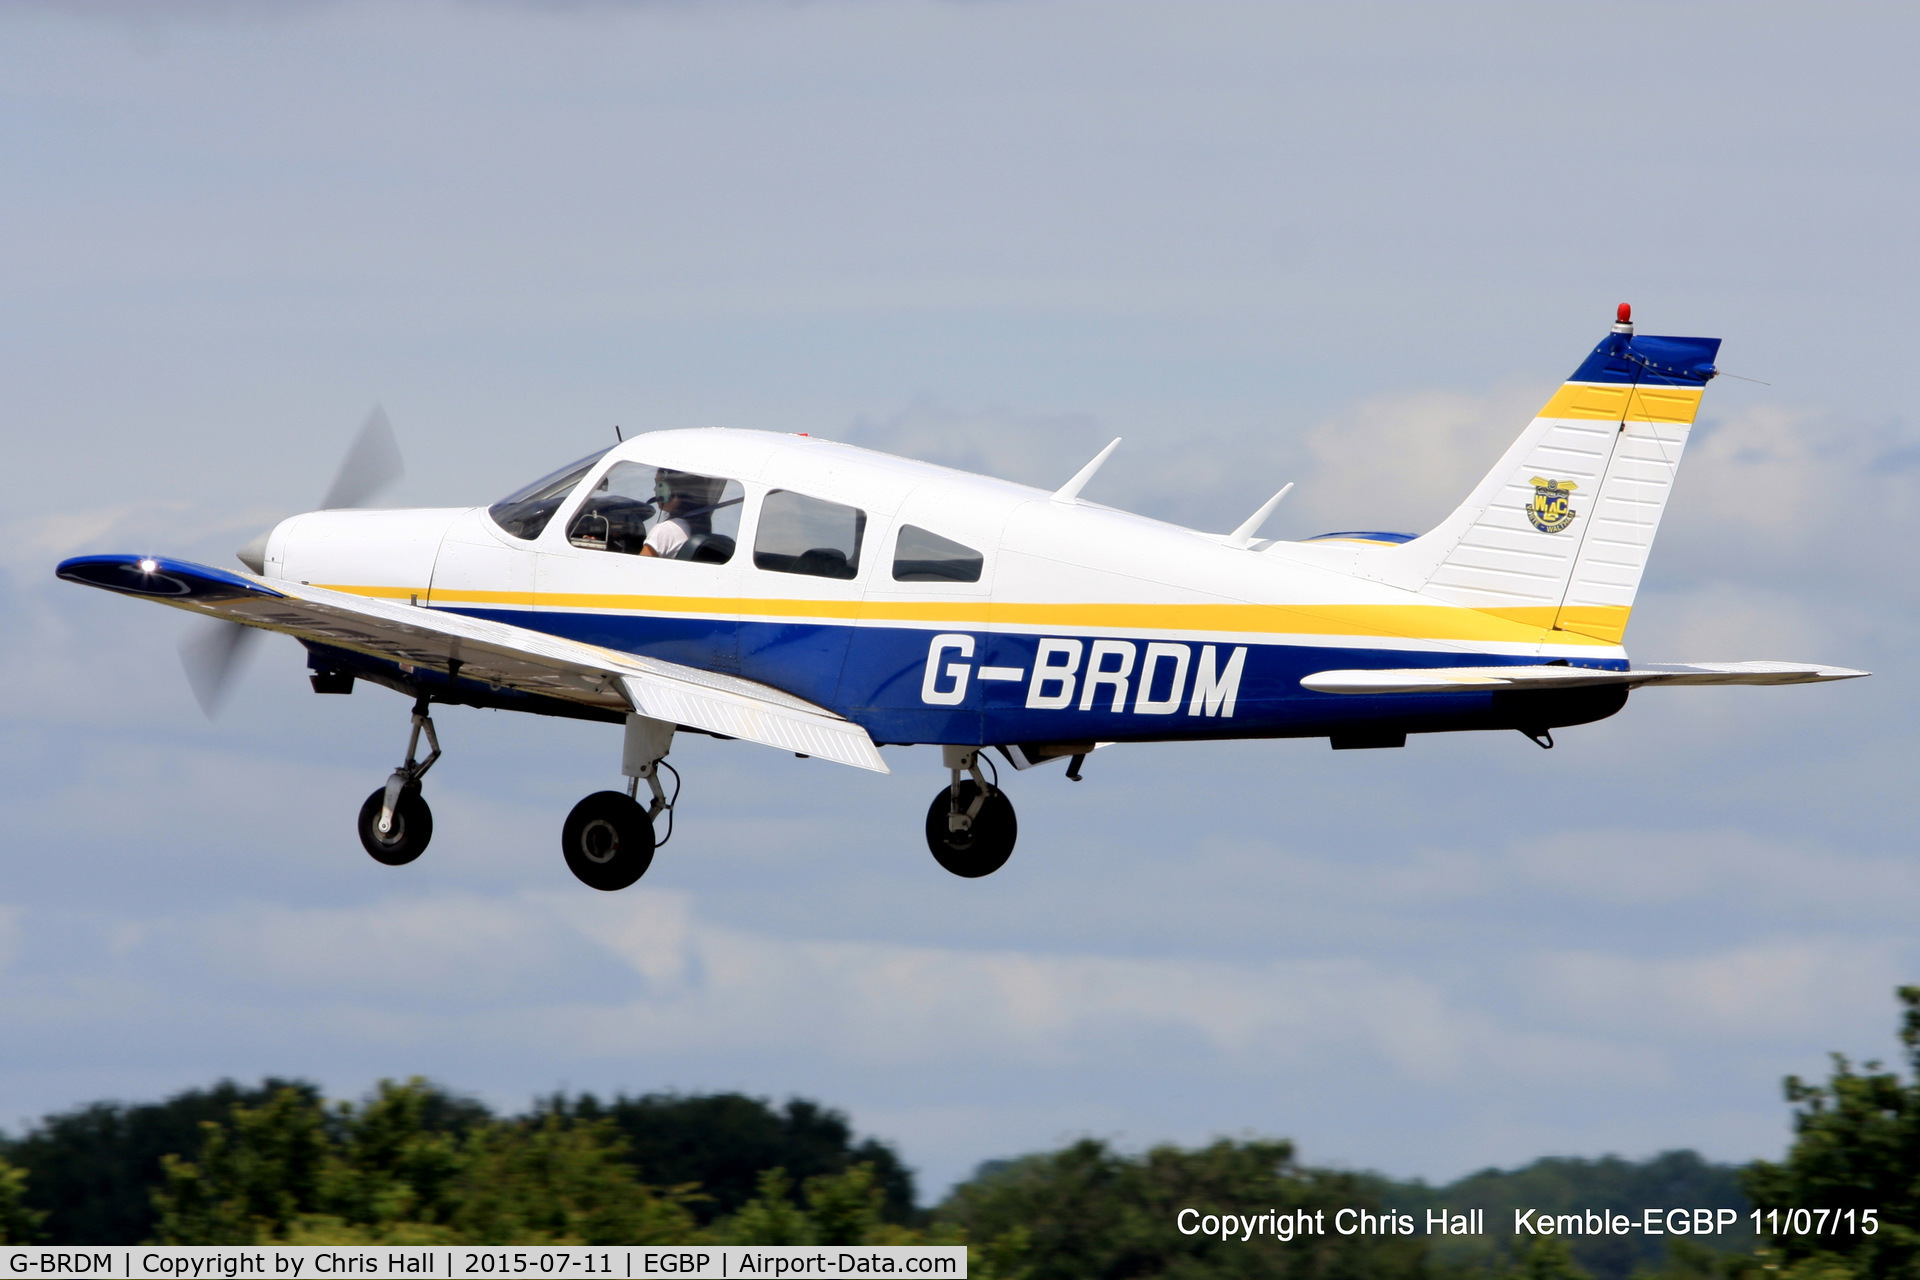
[(668, 537)]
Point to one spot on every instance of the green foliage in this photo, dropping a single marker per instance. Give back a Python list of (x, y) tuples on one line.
[(725, 1142), (1856, 1146), (1090, 1213), (1557, 1185), (553, 1181), (839, 1209), (91, 1171), (1547, 1258), (19, 1224), (415, 1164), (256, 1173), (409, 1168), (771, 1217), (396, 1157), (1691, 1262), (846, 1208)]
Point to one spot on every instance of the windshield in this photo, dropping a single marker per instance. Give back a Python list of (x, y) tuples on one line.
[(525, 512)]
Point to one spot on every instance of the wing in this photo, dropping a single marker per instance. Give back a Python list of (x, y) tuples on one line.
[(495, 653), (1480, 679)]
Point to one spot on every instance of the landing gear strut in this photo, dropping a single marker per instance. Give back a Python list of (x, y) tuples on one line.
[(970, 825), (395, 823), (608, 839)]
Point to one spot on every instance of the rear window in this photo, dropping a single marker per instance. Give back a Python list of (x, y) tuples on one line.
[(524, 512), (921, 555), (798, 534)]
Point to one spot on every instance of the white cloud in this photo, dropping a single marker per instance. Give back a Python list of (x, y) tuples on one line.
[(1798, 987), (483, 971), (1402, 462), (1043, 450), (31, 546), (1824, 500)]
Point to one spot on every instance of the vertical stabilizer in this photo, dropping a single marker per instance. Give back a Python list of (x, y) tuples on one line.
[(1558, 533)]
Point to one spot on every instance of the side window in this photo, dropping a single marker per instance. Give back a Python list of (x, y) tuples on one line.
[(638, 509), (920, 555), (524, 512), (799, 534)]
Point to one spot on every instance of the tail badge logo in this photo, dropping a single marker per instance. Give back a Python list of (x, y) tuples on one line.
[(1549, 509)]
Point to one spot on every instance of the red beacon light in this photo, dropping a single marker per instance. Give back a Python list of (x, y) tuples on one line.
[(1623, 318)]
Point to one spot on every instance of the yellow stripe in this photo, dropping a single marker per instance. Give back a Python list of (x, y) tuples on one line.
[(378, 593), (1612, 402), (1398, 621), (1602, 622)]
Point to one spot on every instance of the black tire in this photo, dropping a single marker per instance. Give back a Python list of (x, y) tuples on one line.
[(412, 827), (608, 841), (981, 850)]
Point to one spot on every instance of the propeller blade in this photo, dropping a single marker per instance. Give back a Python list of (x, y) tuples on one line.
[(371, 465), (213, 653)]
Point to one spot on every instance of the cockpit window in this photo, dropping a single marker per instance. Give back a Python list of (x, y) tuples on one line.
[(638, 509), (798, 534), (921, 555), (524, 512)]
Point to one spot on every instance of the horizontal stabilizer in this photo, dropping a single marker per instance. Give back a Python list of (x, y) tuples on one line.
[(1481, 679)]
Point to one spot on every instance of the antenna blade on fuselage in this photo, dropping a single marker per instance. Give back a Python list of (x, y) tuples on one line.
[(1243, 536), (1070, 491)]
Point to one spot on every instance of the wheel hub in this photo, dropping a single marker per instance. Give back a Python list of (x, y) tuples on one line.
[(599, 841)]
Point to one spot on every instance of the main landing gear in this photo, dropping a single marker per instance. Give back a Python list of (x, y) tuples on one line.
[(395, 823), (608, 838), (970, 825)]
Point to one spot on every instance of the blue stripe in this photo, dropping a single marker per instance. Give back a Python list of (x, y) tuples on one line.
[(873, 676)]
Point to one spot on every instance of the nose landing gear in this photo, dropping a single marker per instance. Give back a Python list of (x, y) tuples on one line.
[(395, 823), (608, 839), (970, 825)]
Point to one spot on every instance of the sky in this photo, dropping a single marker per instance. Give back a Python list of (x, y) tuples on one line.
[(1351, 246)]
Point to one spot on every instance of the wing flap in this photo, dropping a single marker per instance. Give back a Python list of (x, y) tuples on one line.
[(1482, 679), (809, 733)]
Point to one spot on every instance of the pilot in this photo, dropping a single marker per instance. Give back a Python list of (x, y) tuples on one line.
[(686, 507)]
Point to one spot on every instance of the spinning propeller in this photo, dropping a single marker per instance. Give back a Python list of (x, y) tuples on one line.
[(215, 651)]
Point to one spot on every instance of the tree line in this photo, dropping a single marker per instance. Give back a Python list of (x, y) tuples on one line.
[(276, 1154), (415, 1163)]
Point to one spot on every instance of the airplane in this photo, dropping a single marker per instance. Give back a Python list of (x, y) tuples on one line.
[(829, 600)]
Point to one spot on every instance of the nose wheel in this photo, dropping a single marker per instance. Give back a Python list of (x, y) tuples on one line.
[(970, 825), (409, 827), (395, 822)]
